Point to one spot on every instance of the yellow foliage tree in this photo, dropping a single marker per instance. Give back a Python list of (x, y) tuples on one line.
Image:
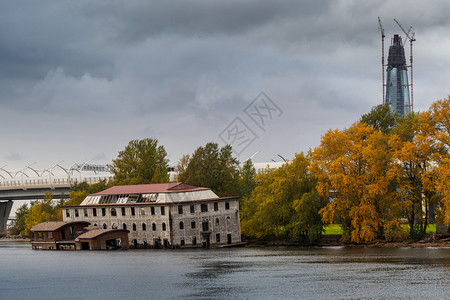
[(353, 168)]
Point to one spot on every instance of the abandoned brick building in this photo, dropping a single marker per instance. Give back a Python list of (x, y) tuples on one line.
[(166, 214)]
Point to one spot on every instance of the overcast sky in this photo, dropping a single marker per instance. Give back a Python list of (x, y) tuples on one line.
[(80, 79)]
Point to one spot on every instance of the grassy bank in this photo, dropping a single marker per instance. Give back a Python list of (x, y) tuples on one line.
[(336, 229)]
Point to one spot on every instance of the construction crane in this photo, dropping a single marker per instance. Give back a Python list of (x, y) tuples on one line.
[(382, 58), (411, 38)]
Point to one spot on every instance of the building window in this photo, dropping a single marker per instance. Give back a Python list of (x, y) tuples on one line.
[(182, 242), (163, 226), (181, 225), (152, 209), (192, 209), (76, 213), (104, 225), (133, 213), (113, 212), (103, 211), (114, 226), (144, 227), (218, 238), (50, 235), (204, 207), (123, 211), (85, 212), (94, 212), (180, 209), (124, 226), (193, 224), (194, 240), (153, 226), (163, 210), (228, 220), (67, 213), (205, 225), (217, 221), (134, 226), (227, 205), (142, 211), (216, 206)]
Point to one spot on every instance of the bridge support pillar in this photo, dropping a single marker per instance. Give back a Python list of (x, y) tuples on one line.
[(5, 210)]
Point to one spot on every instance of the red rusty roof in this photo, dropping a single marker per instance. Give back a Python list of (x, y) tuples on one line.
[(172, 187)]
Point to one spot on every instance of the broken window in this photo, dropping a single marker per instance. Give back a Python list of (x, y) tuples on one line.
[(85, 212), (103, 211), (76, 213), (67, 213), (217, 221), (228, 220), (123, 211), (216, 206), (227, 205), (113, 212), (94, 212)]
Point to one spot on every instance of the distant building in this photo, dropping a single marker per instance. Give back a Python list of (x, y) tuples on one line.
[(167, 214), (397, 87)]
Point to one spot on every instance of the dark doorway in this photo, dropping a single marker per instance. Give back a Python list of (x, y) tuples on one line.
[(84, 246), (205, 225), (166, 243), (229, 238)]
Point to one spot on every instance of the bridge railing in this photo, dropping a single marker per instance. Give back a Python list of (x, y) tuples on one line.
[(47, 183)]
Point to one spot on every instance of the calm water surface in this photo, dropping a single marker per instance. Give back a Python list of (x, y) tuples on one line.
[(240, 273)]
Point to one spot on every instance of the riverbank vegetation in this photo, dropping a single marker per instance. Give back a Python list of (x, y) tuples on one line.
[(385, 178)]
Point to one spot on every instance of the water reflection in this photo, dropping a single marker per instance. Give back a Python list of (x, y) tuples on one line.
[(255, 273)]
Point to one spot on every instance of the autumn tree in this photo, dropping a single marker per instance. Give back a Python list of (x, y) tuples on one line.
[(413, 153), (40, 211), (142, 161), (438, 133), (284, 203), (212, 167), (353, 168)]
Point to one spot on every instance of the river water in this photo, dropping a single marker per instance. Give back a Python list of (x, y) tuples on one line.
[(239, 273)]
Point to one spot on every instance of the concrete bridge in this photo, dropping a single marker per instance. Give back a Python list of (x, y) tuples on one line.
[(31, 184)]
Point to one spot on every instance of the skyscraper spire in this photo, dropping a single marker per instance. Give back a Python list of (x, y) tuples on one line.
[(397, 87)]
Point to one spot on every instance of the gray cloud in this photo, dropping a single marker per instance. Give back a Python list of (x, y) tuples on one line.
[(80, 79)]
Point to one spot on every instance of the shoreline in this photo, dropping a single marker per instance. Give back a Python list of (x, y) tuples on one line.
[(429, 243)]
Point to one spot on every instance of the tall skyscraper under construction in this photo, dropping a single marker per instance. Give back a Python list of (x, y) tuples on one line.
[(397, 87)]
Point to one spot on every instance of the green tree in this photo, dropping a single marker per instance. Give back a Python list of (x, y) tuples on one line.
[(141, 162), (381, 118), (284, 203), (18, 224), (212, 167), (247, 178)]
